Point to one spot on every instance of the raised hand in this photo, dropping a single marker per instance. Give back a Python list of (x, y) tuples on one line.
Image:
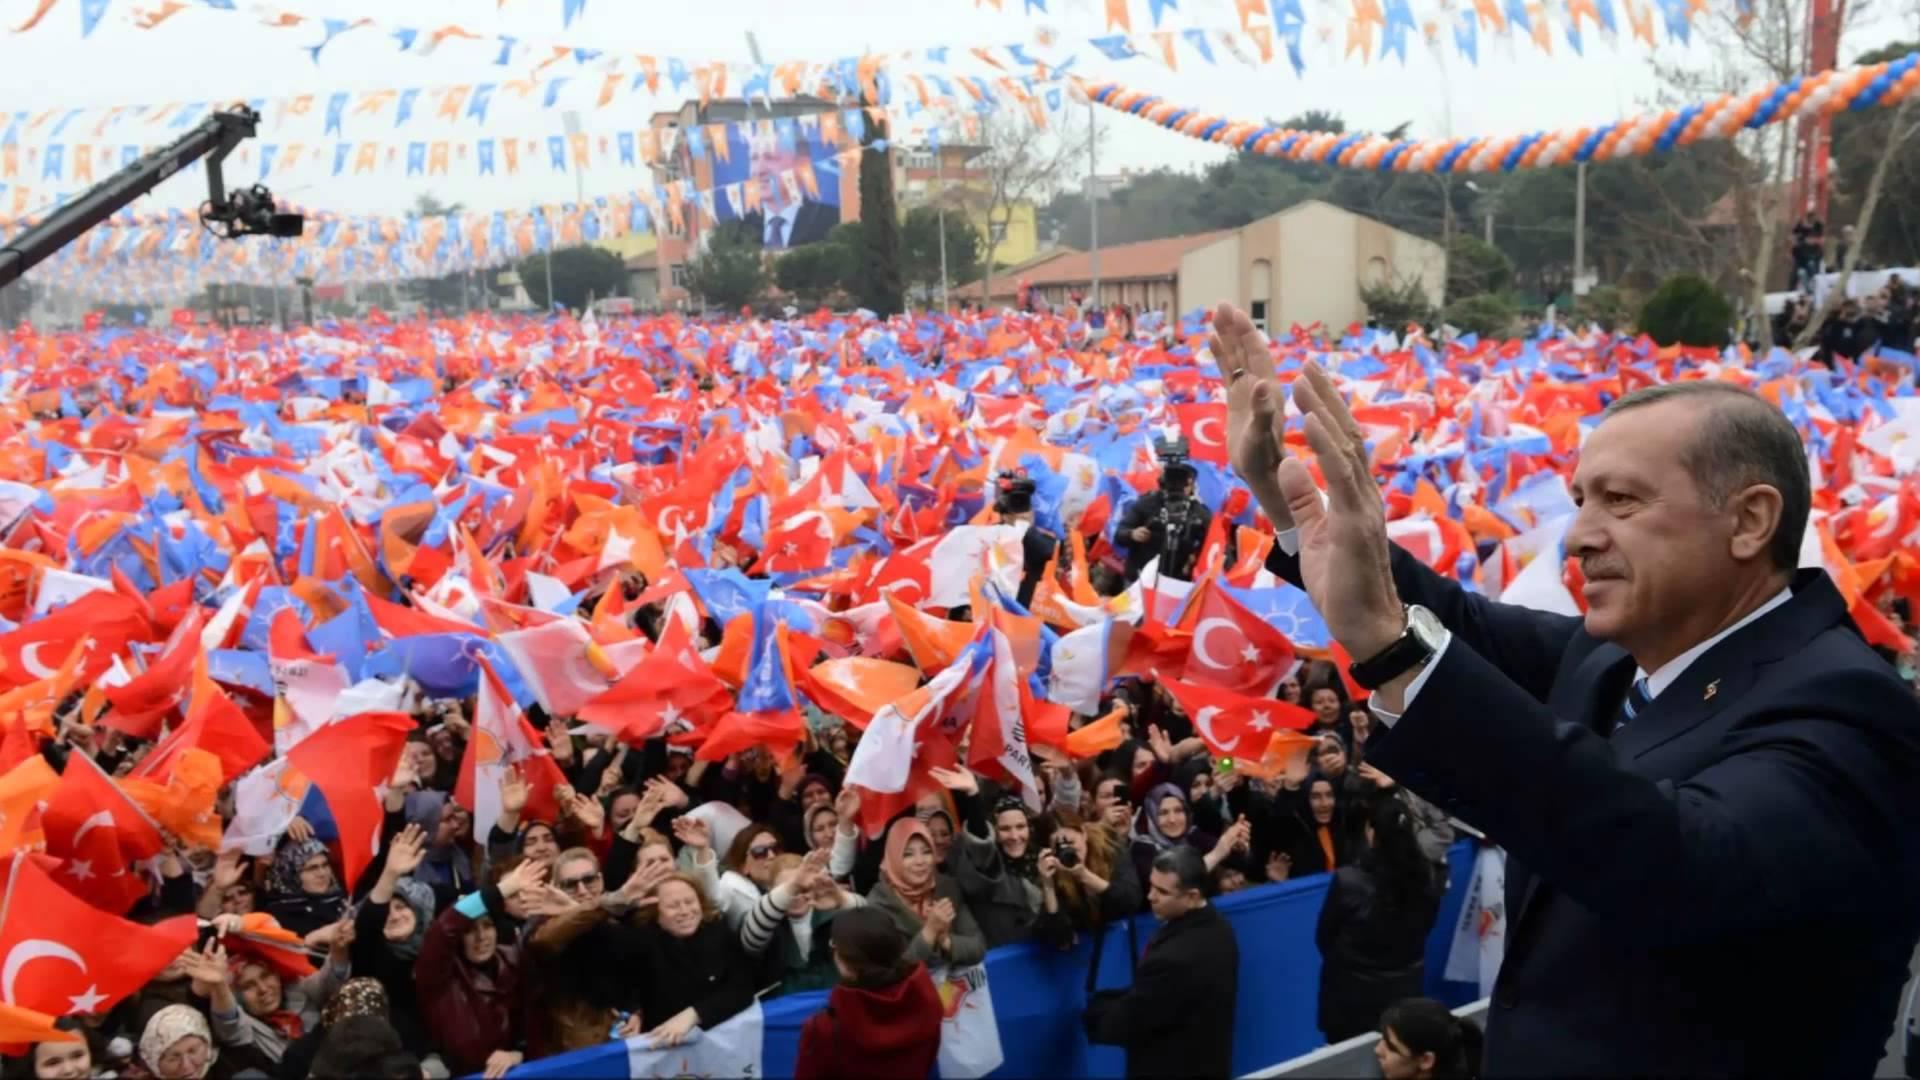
[(961, 780), (1161, 745), (528, 875), (847, 805), (298, 830), (228, 869), (1256, 408), (693, 833), (546, 900), (339, 946), (406, 852), (559, 742), (1380, 780), (513, 791), (1343, 540), (587, 810), (670, 793), (207, 968)]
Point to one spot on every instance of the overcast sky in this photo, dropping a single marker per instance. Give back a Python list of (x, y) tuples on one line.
[(200, 54)]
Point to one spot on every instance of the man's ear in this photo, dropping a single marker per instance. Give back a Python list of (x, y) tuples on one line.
[(1756, 512)]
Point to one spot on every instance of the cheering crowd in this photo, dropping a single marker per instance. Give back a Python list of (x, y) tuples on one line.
[(669, 807)]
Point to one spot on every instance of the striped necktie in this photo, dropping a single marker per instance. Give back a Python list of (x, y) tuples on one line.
[(1633, 704)]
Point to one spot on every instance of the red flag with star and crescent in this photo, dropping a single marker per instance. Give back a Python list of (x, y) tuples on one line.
[(99, 833), (64, 958), (1233, 725), (1233, 648), (1205, 426)]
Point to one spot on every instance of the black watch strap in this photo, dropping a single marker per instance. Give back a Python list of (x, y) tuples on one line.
[(1406, 653)]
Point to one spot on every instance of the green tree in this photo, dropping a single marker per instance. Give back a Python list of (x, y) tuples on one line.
[(1475, 267), (1396, 304), (1858, 139), (580, 274), (920, 249), (878, 284), (812, 272), (1687, 310), (730, 273), (1611, 306), (1489, 315)]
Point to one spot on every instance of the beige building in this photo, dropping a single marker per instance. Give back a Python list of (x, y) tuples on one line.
[(1307, 264)]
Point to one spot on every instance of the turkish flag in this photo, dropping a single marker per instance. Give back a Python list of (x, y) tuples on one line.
[(801, 542), (107, 617), (63, 958), (1205, 426), (141, 703), (100, 833), (1234, 649), (1233, 725)]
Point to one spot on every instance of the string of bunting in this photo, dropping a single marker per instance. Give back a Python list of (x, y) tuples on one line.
[(1369, 29), (1859, 87)]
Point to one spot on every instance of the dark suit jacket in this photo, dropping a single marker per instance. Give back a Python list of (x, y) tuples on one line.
[(1177, 1018), (807, 223), (1725, 886)]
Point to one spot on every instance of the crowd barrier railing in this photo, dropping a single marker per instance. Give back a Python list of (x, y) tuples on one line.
[(1039, 993)]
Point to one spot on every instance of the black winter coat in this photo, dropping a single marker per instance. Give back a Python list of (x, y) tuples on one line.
[(1177, 1019)]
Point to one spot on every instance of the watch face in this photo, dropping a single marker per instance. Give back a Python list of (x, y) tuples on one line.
[(1425, 626)]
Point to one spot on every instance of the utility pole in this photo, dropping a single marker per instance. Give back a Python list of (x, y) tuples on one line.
[(1489, 228), (940, 208), (1093, 203), (1580, 229)]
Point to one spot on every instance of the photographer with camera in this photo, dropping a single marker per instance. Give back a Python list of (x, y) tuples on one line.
[(1169, 523), (1013, 502), (1087, 866)]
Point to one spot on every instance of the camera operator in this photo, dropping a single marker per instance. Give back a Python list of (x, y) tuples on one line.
[(1014, 503), (1168, 523)]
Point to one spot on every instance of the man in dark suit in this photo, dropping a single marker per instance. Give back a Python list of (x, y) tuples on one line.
[(1706, 788), (1013, 501), (792, 224), (1177, 1017), (781, 222)]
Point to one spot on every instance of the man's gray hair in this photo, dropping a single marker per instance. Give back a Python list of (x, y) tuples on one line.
[(1742, 440)]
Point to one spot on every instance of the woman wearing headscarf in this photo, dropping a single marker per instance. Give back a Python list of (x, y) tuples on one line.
[(923, 902), (448, 867), (389, 929), (1165, 822), (358, 996), (303, 892), (257, 1014), (996, 861), (177, 1045), (467, 980), (1374, 925)]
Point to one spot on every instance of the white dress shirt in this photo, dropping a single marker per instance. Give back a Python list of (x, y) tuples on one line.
[(1288, 540)]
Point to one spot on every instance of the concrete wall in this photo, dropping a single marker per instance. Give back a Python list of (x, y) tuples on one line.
[(1211, 274), (1307, 263)]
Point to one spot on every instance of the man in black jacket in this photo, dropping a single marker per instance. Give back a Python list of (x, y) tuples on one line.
[(1177, 1019), (1705, 786), (1168, 524)]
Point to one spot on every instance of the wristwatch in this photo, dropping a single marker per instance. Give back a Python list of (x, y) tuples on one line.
[(1416, 645)]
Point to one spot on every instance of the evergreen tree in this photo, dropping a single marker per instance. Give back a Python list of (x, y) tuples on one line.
[(880, 287)]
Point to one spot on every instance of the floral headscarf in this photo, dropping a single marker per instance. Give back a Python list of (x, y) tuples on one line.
[(169, 1026), (362, 996), (284, 879)]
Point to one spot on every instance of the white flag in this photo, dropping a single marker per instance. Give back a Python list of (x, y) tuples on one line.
[(731, 1049), (265, 801), (1480, 937), (970, 1035)]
